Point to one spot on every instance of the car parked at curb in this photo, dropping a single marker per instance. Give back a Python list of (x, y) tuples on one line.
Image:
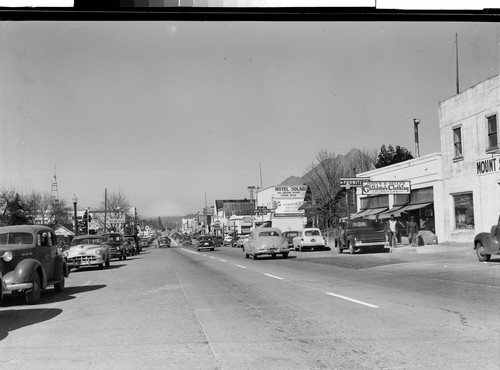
[(131, 245), (116, 244), (266, 241), (87, 250), (242, 240), (31, 261), (359, 235), (289, 235), (486, 244), (309, 238)]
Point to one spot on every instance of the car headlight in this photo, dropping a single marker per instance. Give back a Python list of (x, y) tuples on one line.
[(7, 256), (98, 252), (65, 254)]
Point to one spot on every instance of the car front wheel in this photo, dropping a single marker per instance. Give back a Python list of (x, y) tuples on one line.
[(481, 256), (33, 295), (285, 255)]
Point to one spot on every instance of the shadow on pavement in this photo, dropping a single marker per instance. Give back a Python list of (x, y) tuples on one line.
[(15, 319)]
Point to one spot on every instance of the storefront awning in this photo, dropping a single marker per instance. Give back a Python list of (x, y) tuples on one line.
[(412, 207), (361, 213), (396, 211)]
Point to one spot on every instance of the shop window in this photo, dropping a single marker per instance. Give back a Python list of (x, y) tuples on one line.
[(492, 132), (457, 142), (464, 211)]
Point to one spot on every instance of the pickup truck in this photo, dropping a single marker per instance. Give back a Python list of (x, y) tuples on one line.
[(359, 235), (487, 244)]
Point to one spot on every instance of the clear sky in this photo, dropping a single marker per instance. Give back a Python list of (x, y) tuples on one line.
[(173, 113)]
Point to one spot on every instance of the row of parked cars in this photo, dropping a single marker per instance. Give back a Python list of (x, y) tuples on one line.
[(31, 260)]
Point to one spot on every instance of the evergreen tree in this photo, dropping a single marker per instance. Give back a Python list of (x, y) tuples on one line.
[(16, 212), (389, 155)]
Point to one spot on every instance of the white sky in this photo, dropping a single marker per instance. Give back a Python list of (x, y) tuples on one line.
[(167, 112)]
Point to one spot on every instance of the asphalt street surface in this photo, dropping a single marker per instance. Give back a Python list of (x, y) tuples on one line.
[(177, 308)]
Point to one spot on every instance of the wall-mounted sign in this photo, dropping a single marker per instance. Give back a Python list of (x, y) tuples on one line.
[(386, 187), (357, 182), (486, 166), (298, 191)]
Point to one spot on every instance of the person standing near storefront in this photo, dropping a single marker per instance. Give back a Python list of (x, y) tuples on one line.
[(412, 231), (392, 228)]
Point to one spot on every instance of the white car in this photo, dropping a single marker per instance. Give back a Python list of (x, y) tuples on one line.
[(87, 250), (309, 238)]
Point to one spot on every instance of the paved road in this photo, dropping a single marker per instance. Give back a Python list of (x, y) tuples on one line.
[(180, 309)]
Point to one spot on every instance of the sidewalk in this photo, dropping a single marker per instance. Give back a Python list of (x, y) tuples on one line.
[(444, 248)]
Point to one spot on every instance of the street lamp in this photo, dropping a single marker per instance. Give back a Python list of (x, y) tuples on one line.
[(75, 200), (416, 121)]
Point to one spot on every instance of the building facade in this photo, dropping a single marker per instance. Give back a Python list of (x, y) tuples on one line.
[(471, 160), (423, 200)]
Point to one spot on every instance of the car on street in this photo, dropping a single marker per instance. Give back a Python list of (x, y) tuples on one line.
[(289, 235), (360, 235), (186, 240), (116, 244), (144, 242), (266, 241), (309, 238), (242, 240), (31, 261), (164, 242), (205, 242), (228, 240), (426, 237), (132, 246), (487, 243), (87, 250)]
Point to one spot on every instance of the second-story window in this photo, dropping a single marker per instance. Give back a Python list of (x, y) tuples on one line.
[(492, 132), (457, 141)]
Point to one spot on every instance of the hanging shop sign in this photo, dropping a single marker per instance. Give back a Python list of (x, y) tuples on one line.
[(353, 182), (386, 187)]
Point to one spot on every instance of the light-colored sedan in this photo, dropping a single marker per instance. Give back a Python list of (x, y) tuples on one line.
[(309, 238), (266, 240), (87, 250)]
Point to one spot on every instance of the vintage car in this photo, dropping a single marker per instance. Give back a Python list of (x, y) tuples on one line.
[(426, 237), (242, 240), (359, 235), (164, 241), (31, 261), (205, 242), (116, 244), (289, 235), (186, 240), (266, 240), (228, 240), (131, 245), (135, 243), (144, 243), (87, 250), (487, 244), (308, 238)]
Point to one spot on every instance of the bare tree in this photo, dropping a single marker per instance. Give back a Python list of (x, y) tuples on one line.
[(323, 177), (117, 206), (39, 206)]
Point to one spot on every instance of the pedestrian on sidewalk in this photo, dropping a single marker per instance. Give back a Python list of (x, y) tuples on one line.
[(412, 231), (392, 229)]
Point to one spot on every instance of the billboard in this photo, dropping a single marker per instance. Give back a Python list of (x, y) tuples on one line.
[(288, 199)]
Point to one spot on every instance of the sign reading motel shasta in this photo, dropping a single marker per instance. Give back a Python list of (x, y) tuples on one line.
[(386, 187), (486, 166)]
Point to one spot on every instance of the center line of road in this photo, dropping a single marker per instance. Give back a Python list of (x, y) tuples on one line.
[(243, 267), (274, 277), (222, 260), (353, 300)]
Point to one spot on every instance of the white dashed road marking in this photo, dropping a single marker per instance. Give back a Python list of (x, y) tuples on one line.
[(353, 300), (274, 277)]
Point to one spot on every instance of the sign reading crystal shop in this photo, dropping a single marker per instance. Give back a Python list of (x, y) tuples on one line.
[(488, 165), (356, 182), (386, 187)]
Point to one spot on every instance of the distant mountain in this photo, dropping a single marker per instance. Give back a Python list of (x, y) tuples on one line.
[(293, 180), (354, 160)]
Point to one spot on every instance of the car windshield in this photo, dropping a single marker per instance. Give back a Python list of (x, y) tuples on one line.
[(93, 241), (269, 233), (312, 233), (16, 238), (112, 238)]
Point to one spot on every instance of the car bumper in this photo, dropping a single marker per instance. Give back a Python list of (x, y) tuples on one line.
[(14, 287), (84, 261), (361, 244), (272, 251)]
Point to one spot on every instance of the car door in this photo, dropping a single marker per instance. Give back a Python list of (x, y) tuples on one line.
[(47, 250)]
